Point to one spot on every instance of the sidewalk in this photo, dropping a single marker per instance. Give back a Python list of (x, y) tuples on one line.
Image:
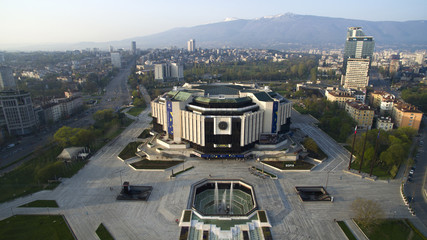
[(355, 230)]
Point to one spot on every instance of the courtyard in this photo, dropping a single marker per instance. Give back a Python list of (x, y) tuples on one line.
[(89, 198)]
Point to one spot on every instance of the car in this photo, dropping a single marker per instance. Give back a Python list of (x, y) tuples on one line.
[(410, 179), (411, 172)]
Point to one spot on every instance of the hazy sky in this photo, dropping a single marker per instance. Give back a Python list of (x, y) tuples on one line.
[(68, 21)]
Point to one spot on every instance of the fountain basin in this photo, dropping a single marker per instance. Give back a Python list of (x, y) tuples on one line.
[(223, 197)]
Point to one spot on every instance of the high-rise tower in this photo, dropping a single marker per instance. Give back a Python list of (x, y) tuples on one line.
[(357, 58), (191, 45), (133, 48)]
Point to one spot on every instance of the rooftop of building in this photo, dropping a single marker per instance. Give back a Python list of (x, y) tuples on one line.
[(406, 107), (339, 93), (358, 105)]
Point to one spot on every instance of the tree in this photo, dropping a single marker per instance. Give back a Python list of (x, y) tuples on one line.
[(367, 212), (103, 115), (64, 135)]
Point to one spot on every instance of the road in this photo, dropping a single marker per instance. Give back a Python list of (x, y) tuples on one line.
[(116, 95), (415, 189)]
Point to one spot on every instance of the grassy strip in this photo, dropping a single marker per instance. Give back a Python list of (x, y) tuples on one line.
[(41, 204), (415, 229), (145, 133), (16, 161), (265, 172), (298, 165), (103, 233), (377, 171), (182, 171), (129, 150), (148, 164), (391, 229), (267, 233), (35, 227), (262, 216), (187, 216), (346, 230), (135, 111)]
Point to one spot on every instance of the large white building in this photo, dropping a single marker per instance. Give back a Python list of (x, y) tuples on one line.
[(18, 112), (221, 120), (357, 73), (169, 71), (191, 45), (116, 60)]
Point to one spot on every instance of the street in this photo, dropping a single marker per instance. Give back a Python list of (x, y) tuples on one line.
[(115, 96)]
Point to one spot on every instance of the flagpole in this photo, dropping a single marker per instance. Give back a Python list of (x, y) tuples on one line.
[(352, 148)]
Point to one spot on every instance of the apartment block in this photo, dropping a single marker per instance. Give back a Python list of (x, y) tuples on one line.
[(406, 115), (361, 113)]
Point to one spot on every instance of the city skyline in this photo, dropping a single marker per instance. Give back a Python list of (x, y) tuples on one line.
[(45, 22)]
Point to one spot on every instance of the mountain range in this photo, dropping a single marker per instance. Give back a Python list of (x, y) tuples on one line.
[(287, 31)]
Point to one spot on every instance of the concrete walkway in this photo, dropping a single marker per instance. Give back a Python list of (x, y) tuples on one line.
[(355, 230)]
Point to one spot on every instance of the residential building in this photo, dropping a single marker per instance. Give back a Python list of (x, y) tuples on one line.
[(382, 100), (61, 108), (406, 115), (18, 112), (116, 60), (191, 45), (339, 97), (384, 123), (221, 120), (7, 81), (361, 113)]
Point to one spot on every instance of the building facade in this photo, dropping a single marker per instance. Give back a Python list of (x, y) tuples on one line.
[(191, 45), (361, 113), (116, 60), (383, 100), (340, 97), (7, 82), (18, 112), (133, 48), (168, 71), (406, 115), (358, 52), (224, 119), (357, 73), (384, 123)]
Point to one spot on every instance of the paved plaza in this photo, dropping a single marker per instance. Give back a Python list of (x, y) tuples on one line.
[(86, 200)]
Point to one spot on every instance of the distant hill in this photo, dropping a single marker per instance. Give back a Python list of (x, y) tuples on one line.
[(288, 31)]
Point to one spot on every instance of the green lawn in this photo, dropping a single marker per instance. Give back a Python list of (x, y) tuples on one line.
[(129, 151), (346, 230), (377, 171), (41, 204), (29, 177), (35, 227), (147, 164), (392, 229), (182, 171), (103, 233), (135, 111)]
